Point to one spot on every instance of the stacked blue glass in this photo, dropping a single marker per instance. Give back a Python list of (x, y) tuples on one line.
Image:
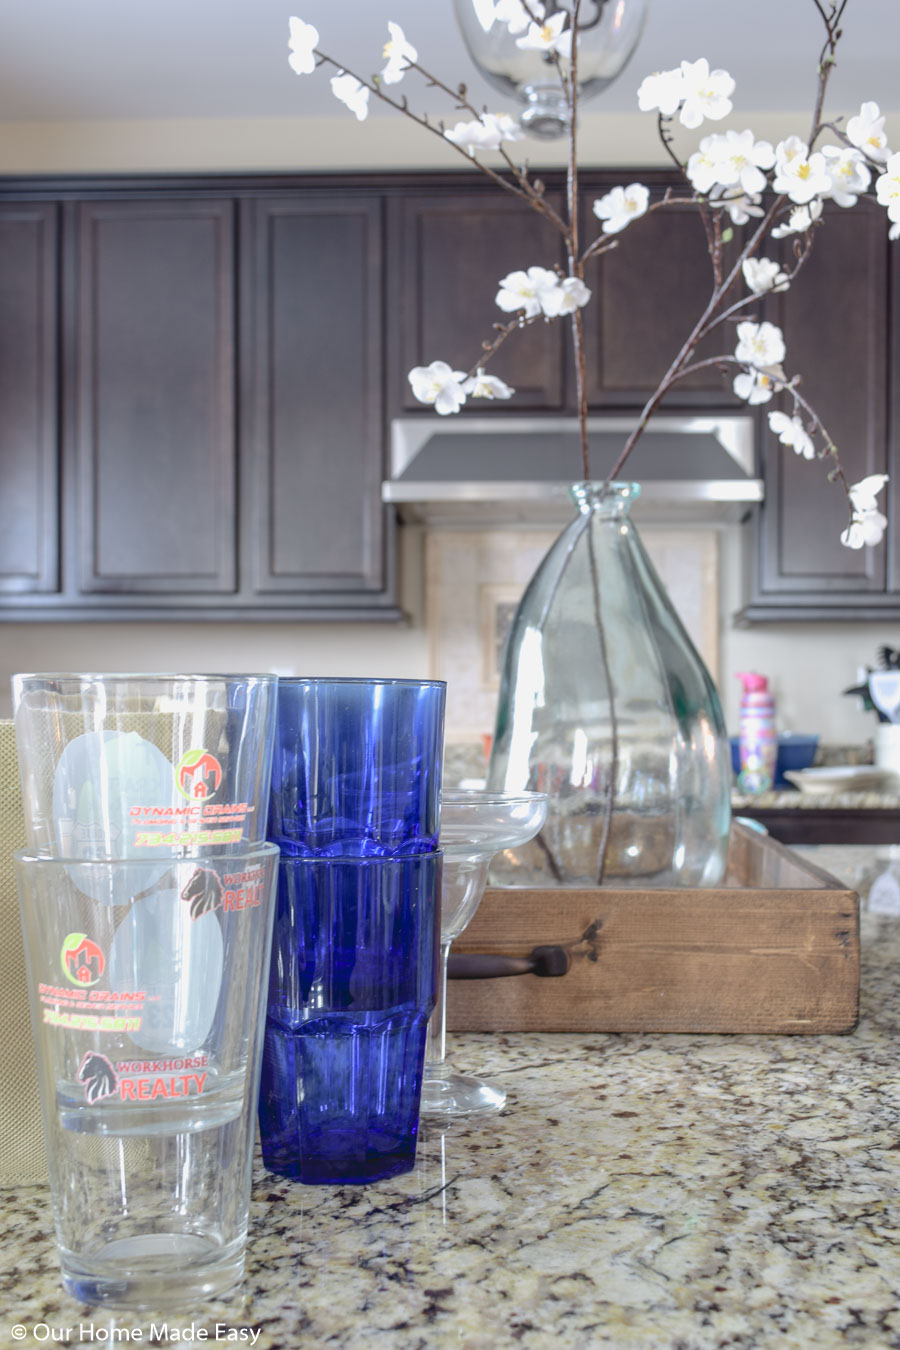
[(355, 807)]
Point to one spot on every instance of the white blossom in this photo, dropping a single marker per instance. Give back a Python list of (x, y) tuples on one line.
[(887, 189), (755, 386), (894, 232), (734, 160), (763, 274), (791, 431), (481, 385), (702, 167), (485, 133), (739, 205), (848, 171), (302, 44), (867, 524), (799, 174), (864, 493), (440, 385), (398, 53), (800, 220), (866, 130), (514, 14), (759, 344), (661, 92), (621, 206), (706, 93), (570, 294), (349, 90), (549, 36), (527, 291)]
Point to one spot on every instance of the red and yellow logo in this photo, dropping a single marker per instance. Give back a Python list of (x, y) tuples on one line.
[(198, 776), (81, 959)]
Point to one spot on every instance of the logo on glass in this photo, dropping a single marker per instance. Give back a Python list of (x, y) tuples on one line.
[(81, 959), (198, 775)]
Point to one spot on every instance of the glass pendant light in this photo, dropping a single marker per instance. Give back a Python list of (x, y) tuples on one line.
[(608, 34)]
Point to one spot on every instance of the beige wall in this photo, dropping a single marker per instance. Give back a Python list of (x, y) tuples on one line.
[(808, 665)]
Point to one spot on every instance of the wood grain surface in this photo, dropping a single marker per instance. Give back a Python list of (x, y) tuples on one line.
[(774, 949)]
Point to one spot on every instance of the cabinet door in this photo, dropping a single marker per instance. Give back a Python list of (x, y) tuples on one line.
[(648, 292), (154, 374), (835, 327), (313, 475), (450, 249), (29, 506)]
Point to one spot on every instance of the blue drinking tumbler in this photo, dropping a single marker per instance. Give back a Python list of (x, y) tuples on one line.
[(357, 767), (352, 985)]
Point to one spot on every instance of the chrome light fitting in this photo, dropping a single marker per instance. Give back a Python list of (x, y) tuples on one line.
[(608, 32)]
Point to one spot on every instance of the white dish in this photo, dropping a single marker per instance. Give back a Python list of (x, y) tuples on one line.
[(844, 778)]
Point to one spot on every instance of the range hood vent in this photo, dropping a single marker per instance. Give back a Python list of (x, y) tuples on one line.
[(484, 471)]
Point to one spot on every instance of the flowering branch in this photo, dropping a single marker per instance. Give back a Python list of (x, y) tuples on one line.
[(727, 176)]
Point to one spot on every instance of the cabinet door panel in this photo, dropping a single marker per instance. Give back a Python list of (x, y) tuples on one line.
[(29, 505), (318, 461), (451, 250), (649, 291), (156, 432), (835, 328)]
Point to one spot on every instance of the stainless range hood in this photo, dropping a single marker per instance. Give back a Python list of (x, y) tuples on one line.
[(482, 471)]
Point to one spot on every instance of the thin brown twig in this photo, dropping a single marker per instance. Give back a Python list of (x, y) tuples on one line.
[(522, 188)]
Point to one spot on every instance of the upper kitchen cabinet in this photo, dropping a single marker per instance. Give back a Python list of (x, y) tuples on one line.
[(152, 429), (314, 426), (29, 442), (449, 248), (648, 292), (836, 324), (220, 425)]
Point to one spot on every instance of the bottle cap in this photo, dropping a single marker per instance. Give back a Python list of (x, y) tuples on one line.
[(753, 683)]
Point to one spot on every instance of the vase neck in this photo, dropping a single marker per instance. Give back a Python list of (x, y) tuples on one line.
[(607, 499)]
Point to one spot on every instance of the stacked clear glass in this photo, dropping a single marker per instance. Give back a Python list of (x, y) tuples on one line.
[(146, 894)]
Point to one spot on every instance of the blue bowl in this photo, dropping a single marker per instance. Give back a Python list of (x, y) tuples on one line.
[(794, 752)]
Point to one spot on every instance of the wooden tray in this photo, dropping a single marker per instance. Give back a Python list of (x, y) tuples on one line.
[(774, 949)]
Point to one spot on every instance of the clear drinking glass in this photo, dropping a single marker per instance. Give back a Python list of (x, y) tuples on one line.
[(131, 765), (147, 1015), (475, 826)]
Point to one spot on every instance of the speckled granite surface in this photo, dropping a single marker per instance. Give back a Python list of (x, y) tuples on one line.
[(668, 1192)]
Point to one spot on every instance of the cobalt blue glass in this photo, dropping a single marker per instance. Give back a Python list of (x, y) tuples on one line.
[(352, 985), (357, 767)]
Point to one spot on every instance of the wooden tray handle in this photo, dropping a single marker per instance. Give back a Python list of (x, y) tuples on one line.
[(546, 962)]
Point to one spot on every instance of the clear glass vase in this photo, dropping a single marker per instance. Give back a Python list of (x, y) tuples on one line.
[(607, 707)]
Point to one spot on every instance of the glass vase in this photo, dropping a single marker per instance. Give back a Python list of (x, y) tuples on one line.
[(607, 707)]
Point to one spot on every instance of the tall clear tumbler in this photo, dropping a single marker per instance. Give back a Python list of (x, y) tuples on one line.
[(121, 765), (147, 1014)]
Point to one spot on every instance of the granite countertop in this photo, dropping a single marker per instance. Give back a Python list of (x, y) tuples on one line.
[(677, 1192)]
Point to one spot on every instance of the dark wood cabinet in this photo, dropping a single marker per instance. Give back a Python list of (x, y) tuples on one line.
[(648, 292), (835, 320), (312, 477), (449, 250), (198, 374), (154, 399), (217, 429), (29, 383)]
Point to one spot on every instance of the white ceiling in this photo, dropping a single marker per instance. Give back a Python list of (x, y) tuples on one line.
[(122, 59)]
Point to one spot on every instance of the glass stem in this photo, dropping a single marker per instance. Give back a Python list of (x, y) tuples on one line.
[(436, 1040)]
